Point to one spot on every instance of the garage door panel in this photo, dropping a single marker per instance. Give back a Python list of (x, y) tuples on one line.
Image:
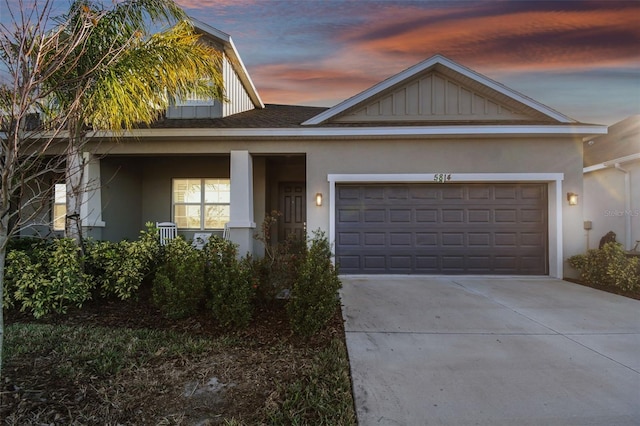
[(505, 216), (456, 215), (373, 193), (402, 239), (506, 240), (453, 193), (348, 263), (532, 216), (348, 216), (477, 239), (426, 239), (374, 238), (374, 216), (400, 215), (348, 193), (449, 228), (480, 193), (533, 193), (348, 239), (374, 263), (423, 193), (479, 216), (506, 192), (426, 216)]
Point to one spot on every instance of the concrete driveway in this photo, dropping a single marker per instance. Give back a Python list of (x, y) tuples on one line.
[(490, 351)]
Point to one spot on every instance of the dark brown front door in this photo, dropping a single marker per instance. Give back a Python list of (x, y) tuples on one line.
[(292, 206)]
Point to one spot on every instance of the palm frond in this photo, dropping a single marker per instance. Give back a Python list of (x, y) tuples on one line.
[(169, 66)]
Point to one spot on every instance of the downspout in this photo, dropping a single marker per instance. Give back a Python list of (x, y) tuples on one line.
[(627, 205)]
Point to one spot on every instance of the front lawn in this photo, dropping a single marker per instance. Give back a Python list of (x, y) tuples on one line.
[(123, 362)]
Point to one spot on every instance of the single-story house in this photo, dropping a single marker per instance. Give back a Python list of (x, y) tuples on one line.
[(435, 170), (612, 184)]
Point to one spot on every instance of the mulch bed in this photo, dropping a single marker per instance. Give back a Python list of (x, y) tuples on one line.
[(635, 294)]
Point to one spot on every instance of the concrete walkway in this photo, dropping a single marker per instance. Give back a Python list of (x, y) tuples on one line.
[(491, 351)]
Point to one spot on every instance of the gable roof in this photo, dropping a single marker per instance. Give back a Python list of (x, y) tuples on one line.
[(467, 78), (232, 53)]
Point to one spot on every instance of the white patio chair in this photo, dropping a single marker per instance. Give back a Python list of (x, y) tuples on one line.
[(225, 232), (167, 231)]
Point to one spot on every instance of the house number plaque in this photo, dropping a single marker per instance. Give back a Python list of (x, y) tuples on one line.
[(442, 177)]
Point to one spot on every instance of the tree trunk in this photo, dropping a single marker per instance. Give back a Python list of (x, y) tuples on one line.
[(4, 238), (75, 190)]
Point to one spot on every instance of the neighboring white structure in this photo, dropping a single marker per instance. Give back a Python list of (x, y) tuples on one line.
[(612, 184)]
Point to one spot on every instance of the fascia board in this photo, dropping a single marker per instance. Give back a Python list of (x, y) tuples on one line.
[(244, 74), (456, 177), (236, 61), (611, 163), (413, 131), (437, 59)]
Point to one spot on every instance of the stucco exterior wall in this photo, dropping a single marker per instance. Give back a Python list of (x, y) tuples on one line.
[(341, 156), (604, 204), (121, 198), (454, 156), (138, 190)]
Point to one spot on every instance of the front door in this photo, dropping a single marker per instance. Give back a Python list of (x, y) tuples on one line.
[(293, 207)]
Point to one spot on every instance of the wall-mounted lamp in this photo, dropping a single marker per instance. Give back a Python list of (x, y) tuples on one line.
[(319, 199), (572, 198)]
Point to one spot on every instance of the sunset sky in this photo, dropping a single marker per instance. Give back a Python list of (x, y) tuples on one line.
[(579, 57)]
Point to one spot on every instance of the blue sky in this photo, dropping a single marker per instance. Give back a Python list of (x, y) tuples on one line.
[(579, 57)]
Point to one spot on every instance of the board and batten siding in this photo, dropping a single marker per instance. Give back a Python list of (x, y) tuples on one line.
[(432, 97), (237, 99)]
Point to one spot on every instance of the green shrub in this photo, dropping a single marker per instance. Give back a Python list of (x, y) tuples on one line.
[(119, 268), (608, 266), (314, 296), (178, 286), (26, 244), (50, 280), (229, 282), (623, 271), (277, 271)]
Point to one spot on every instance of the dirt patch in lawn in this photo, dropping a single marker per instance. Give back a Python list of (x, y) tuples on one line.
[(243, 375)]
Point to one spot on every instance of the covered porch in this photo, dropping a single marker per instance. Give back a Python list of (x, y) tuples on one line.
[(200, 193)]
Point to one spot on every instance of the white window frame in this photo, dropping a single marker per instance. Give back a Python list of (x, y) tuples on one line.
[(202, 204)]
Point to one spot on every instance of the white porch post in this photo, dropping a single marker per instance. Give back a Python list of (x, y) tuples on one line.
[(91, 207), (241, 223)]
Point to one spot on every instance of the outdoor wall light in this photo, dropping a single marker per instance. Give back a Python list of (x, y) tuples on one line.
[(572, 198), (319, 199)]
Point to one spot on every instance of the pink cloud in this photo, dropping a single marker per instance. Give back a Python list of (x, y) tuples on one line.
[(542, 40), (207, 4), (286, 84)]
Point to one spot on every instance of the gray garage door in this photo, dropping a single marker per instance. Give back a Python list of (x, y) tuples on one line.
[(442, 228)]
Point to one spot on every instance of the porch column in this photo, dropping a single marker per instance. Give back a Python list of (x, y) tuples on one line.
[(241, 223), (91, 207)]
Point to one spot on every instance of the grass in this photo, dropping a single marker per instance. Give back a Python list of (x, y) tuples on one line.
[(79, 352), (322, 397), (86, 374)]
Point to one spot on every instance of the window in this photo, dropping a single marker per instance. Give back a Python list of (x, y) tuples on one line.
[(201, 203), (59, 206)]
